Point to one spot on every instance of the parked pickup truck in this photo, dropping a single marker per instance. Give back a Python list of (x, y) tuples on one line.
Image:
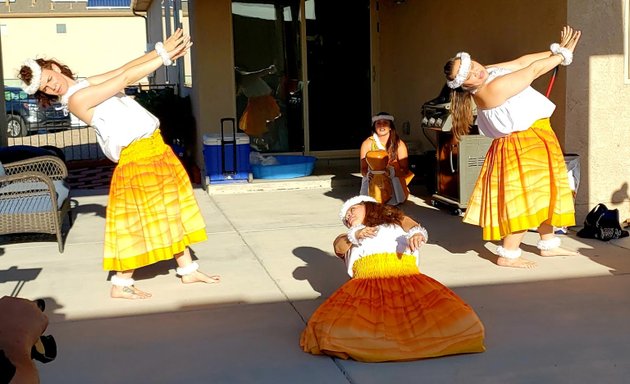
[(24, 116)]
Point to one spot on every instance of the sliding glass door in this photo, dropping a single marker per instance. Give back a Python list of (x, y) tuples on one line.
[(276, 107)]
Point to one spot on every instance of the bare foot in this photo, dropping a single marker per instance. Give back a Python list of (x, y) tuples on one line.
[(558, 252), (200, 277), (519, 262), (131, 293)]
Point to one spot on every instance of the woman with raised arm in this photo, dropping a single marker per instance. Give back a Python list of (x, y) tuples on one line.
[(152, 214), (523, 183)]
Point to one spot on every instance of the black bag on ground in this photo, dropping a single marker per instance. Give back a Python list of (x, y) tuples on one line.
[(603, 224)]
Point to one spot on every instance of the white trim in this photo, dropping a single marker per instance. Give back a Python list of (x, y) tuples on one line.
[(549, 244), (122, 282), (378, 143), (567, 55), (35, 80), (462, 71), (161, 51), (353, 201), (187, 270), (352, 234), (509, 253), (418, 229), (382, 117)]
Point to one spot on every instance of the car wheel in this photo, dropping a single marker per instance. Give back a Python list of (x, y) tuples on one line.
[(15, 126)]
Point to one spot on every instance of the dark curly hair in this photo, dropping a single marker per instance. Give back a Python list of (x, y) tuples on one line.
[(377, 214), (26, 75)]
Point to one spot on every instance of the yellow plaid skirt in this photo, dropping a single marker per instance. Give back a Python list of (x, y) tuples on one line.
[(152, 213), (391, 312), (523, 183)]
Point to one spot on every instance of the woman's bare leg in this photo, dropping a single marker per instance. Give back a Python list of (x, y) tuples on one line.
[(123, 287), (510, 252), (549, 244), (188, 270)]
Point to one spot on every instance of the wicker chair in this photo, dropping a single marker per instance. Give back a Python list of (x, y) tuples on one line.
[(34, 197)]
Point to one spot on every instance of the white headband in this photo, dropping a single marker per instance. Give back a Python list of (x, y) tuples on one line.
[(382, 117), (354, 201), (462, 72), (35, 80)]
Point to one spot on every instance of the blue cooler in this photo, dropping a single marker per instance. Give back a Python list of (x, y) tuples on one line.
[(225, 160)]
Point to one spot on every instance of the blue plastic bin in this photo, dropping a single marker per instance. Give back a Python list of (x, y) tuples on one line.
[(288, 167), (221, 168)]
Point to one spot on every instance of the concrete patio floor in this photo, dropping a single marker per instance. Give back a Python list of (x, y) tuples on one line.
[(567, 321)]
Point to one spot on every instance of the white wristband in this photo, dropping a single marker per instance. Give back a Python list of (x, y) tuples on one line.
[(161, 51), (418, 229), (352, 234), (567, 55)]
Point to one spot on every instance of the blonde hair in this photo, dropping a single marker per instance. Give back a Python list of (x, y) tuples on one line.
[(461, 104), (461, 112)]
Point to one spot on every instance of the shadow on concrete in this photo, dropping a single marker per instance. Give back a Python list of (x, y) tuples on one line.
[(550, 325), (323, 271)]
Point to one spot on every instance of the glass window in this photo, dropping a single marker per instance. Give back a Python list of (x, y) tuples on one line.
[(268, 73), (15, 95)]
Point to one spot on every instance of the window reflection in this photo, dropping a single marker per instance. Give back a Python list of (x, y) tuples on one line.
[(267, 74)]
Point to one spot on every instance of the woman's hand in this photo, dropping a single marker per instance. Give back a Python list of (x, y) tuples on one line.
[(569, 38), (21, 325), (416, 241), (177, 44), (171, 42), (366, 232)]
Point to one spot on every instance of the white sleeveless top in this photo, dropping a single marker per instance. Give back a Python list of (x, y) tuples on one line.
[(118, 121), (390, 238), (518, 112)]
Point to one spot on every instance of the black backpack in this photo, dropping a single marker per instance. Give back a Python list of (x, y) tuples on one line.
[(603, 224)]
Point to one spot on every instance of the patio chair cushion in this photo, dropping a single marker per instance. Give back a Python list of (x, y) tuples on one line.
[(2, 172), (22, 152), (32, 204)]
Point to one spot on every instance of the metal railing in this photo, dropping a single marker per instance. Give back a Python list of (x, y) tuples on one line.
[(77, 140)]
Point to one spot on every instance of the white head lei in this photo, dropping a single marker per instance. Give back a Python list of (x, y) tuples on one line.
[(353, 201), (462, 72), (35, 80), (382, 117)]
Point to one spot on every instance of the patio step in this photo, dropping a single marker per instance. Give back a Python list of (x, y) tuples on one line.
[(328, 173)]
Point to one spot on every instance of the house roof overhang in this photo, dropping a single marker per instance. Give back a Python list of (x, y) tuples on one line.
[(140, 5)]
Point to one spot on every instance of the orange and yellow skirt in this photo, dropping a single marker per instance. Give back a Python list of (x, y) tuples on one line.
[(152, 213), (390, 311), (259, 110), (523, 183)]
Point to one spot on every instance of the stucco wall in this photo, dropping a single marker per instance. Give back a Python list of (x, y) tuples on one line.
[(212, 66), (416, 39), (103, 51), (591, 118), (598, 116)]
